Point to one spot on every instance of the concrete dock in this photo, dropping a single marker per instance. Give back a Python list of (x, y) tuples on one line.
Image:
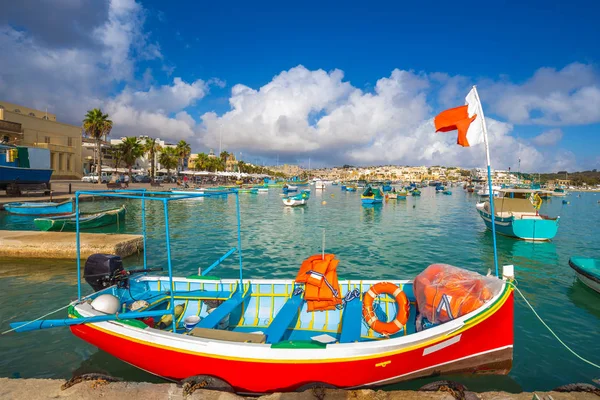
[(51, 389), (61, 245)]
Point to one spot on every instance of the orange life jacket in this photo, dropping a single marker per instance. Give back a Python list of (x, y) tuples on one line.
[(321, 289)]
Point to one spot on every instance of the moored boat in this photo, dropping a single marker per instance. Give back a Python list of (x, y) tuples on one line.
[(587, 270), (351, 188), (299, 199), (387, 186), (290, 334), (447, 192), (41, 208), (289, 188), (518, 216), (415, 192), (371, 196), (86, 221)]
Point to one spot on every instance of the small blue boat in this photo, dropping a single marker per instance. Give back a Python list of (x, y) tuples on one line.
[(289, 189), (343, 187), (517, 216), (350, 188), (447, 192), (387, 186), (32, 208), (439, 188), (587, 270)]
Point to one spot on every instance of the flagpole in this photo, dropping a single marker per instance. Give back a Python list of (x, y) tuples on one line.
[(489, 174)]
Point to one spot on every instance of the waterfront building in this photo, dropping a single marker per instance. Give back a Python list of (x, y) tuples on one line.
[(27, 126)]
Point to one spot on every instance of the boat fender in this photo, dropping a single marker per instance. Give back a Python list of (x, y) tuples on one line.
[(398, 323), (106, 303)]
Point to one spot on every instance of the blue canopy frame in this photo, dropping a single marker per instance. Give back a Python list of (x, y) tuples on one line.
[(165, 198)]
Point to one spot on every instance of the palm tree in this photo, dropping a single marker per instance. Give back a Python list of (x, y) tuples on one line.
[(168, 158), (117, 155), (183, 151), (97, 126), (201, 161), (151, 147), (132, 149)]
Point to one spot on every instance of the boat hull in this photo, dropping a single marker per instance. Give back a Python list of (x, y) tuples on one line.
[(256, 368), (524, 229), (40, 208), (10, 174), (98, 220), (586, 271)]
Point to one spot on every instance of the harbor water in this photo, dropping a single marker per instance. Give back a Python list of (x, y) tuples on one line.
[(397, 239)]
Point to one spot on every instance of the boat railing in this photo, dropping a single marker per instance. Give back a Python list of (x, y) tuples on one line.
[(166, 197)]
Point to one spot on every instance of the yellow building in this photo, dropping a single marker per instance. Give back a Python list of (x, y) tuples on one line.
[(29, 127)]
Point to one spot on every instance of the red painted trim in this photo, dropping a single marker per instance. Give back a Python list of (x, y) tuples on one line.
[(260, 377)]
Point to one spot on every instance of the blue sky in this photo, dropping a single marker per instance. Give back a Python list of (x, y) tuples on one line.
[(265, 72)]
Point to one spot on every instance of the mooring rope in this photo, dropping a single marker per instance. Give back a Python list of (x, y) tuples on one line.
[(550, 329)]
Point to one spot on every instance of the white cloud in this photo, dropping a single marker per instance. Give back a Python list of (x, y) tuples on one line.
[(302, 112), (548, 138), (570, 96), (69, 78), (166, 98)]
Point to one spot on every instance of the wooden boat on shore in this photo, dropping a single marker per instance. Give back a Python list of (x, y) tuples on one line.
[(587, 270), (266, 335), (41, 208), (86, 221), (518, 216)]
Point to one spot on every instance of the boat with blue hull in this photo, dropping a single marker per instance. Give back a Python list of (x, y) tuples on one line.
[(387, 187), (372, 196), (24, 165), (517, 215), (42, 208), (587, 270)]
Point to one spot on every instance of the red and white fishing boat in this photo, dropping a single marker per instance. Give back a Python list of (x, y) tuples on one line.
[(267, 335)]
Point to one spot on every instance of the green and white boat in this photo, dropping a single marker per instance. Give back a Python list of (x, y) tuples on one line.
[(67, 223)]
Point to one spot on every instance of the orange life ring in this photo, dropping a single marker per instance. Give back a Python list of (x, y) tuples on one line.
[(394, 326)]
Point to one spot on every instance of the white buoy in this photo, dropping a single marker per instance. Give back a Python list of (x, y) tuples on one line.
[(106, 303)]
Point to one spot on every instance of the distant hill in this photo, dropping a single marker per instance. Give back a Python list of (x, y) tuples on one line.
[(577, 178)]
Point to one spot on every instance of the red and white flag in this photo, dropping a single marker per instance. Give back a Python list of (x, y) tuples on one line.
[(467, 120)]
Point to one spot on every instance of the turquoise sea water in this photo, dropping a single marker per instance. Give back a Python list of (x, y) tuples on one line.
[(396, 239)]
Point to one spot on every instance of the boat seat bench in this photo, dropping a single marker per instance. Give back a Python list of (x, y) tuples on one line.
[(283, 319), (223, 310), (229, 336), (193, 294), (351, 321)]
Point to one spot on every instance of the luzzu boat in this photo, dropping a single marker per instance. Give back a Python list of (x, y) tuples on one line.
[(290, 188), (387, 186), (416, 192), (351, 188), (559, 191), (299, 199), (41, 208), (372, 196), (587, 270), (68, 223), (518, 216), (265, 335)]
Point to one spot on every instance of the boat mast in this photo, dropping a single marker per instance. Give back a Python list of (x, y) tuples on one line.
[(489, 175)]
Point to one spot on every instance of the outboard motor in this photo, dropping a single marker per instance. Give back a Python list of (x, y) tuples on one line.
[(104, 270)]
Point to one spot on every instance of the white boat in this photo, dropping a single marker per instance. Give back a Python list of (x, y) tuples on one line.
[(319, 185), (485, 191)]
